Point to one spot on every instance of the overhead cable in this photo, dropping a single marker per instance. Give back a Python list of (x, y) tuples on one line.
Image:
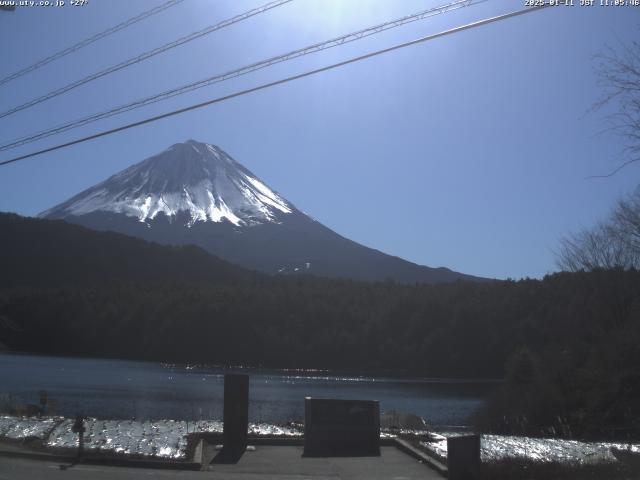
[(88, 41), (317, 47), (265, 86), (144, 56)]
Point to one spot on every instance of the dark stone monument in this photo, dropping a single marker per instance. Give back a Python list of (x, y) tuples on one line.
[(463, 457), (78, 427), (43, 401), (236, 412), (341, 427)]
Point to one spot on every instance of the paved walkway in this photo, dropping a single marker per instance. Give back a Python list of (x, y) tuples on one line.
[(266, 462)]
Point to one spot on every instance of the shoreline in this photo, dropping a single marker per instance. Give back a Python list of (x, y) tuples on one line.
[(405, 375)]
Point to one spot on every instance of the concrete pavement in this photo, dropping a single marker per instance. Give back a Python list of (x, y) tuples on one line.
[(265, 463)]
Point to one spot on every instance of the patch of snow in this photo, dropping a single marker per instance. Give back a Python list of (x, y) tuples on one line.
[(154, 438), (268, 196), (26, 427), (498, 447)]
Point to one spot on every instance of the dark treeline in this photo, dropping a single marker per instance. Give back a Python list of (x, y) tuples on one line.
[(43, 253), (568, 345), (462, 329)]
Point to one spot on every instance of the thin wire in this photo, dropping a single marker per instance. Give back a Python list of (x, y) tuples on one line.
[(350, 37), (90, 40), (279, 82), (144, 56)]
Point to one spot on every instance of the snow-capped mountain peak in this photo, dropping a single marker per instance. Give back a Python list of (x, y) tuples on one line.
[(231, 214), (193, 177)]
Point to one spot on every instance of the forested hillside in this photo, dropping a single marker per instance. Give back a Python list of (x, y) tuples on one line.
[(37, 253)]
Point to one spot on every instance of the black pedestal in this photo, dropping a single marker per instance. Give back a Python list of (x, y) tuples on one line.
[(341, 427), (236, 412), (463, 456)]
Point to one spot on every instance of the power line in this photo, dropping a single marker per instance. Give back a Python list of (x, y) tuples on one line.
[(144, 56), (279, 82), (350, 37), (90, 40)]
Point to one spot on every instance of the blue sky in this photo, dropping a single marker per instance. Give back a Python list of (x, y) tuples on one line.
[(469, 151)]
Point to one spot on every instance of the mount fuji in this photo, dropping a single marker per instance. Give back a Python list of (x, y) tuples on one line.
[(195, 193)]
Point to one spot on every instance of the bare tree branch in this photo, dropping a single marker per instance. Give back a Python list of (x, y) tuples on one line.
[(618, 73), (614, 243), (616, 170)]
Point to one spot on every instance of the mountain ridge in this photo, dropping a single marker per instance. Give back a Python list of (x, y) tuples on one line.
[(40, 253)]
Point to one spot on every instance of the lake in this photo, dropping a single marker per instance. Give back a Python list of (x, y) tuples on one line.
[(111, 389)]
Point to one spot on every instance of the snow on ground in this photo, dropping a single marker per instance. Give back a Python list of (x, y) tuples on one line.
[(17, 428), (154, 438), (168, 439), (498, 447)]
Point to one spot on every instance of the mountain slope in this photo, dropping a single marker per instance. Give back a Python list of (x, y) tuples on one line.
[(45, 253), (195, 193)]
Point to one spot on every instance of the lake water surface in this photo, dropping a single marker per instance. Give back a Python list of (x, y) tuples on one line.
[(145, 390)]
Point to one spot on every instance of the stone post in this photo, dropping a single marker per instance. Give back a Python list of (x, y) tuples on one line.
[(236, 412), (463, 457)]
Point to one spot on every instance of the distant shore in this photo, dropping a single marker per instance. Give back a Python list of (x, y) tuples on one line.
[(406, 374)]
